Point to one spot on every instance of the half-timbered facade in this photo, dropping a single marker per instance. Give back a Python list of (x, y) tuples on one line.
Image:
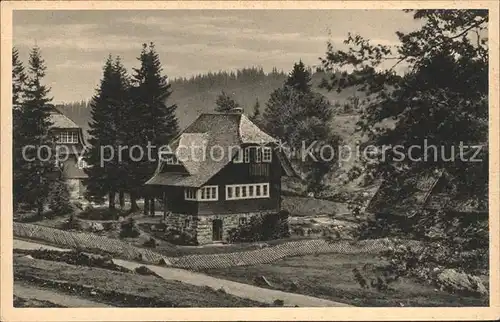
[(220, 171)]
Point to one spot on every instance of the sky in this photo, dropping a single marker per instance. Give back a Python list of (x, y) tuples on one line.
[(75, 44)]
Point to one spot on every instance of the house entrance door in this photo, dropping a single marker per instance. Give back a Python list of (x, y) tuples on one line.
[(217, 230)]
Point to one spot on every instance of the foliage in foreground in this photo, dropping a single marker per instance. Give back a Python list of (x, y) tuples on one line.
[(443, 91), (260, 228)]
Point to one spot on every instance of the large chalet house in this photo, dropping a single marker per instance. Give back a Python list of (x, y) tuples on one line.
[(220, 171), (68, 134)]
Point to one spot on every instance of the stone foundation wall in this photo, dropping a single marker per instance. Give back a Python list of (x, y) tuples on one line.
[(201, 226), (182, 222)]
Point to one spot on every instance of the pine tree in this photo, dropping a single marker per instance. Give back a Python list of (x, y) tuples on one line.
[(299, 78), (151, 118), (256, 117), (18, 87), (59, 198), (107, 128), (36, 175), (297, 115), (225, 103)]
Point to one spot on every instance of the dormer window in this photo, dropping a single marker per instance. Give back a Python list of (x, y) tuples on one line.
[(67, 137), (238, 157), (247, 155)]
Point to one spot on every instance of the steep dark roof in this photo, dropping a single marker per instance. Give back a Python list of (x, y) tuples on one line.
[(209, 130), (61, 121)]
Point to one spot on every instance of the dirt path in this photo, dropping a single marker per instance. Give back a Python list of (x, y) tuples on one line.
[(26, 291), (238, 289)]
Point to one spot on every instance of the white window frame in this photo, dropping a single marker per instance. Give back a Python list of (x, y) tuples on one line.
[(205, 193), (267, 154), (67, 137), (190, 193), (247, 154), (258, 155), (249, 193), (239, 156)]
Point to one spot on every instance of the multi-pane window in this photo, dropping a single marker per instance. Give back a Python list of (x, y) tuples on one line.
[(67, 137), (247, 191), (239, 156), (258, 155), (266, 154), (247, 155), (207, 193), (255, 154), (190, 193)]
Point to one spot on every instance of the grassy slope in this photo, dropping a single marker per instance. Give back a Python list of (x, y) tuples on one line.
[(177, 293), (330, 276)]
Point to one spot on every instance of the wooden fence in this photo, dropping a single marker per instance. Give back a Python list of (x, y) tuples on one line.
[(122, 249)]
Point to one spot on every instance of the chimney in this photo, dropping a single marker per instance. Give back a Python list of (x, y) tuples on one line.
[(236, 110)]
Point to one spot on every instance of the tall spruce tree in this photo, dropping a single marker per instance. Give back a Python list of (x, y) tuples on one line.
[(299, 78), (107, 127), (256, 116), (225, 103), (151, 120), (299, 116), (36, 169), (18, 87)]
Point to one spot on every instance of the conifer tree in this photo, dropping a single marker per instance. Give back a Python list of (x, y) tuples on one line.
[(299, 78), (59, 197), (225, 103), (34, 123), (107, 129), (256, 117), (152, 119), (297, 115), (18, 86)]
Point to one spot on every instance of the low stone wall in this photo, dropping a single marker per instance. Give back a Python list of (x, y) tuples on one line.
[(269, 254)]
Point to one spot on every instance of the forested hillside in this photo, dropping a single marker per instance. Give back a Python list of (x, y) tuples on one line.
[(197, 94)]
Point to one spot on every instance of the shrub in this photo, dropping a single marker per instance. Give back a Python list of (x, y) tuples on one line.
[(72, 223), (129, 229), (180, 237), (261, 227), (91, 213), (59, 198), (459, 243), (151, 243)]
